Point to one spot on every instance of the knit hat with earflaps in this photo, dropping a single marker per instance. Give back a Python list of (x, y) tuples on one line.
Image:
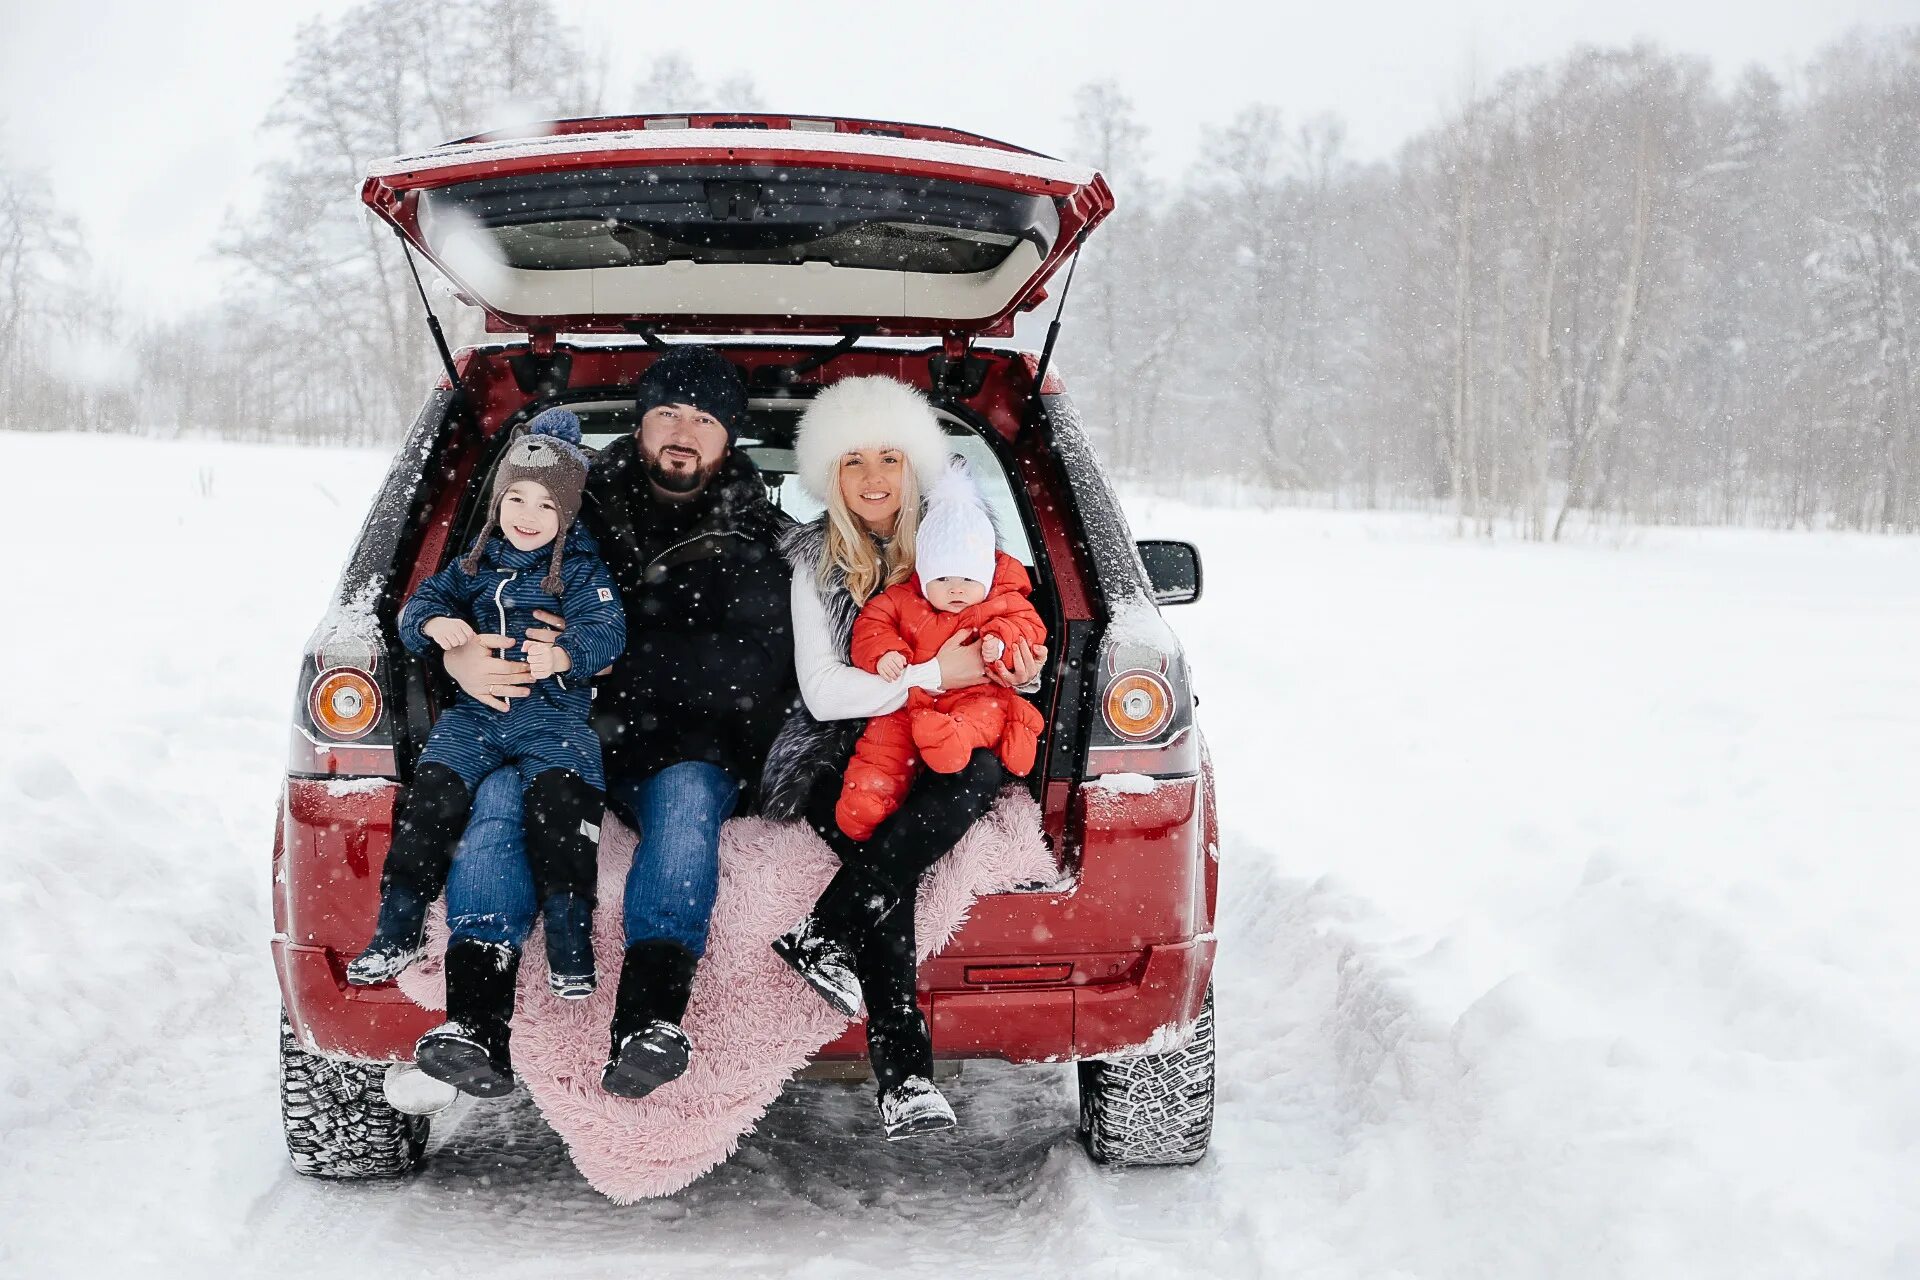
[(546, 451), (956, 538)]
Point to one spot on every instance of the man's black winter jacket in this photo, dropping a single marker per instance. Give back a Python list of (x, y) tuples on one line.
[(708, 670)]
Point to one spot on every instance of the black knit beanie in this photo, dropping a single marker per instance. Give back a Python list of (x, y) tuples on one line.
[(701, 377)]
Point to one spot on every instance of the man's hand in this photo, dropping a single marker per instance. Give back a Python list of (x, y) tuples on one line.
[(960, 664), (448, 633), (1021, 666), (486, 678), (551, 632), (891, 665)]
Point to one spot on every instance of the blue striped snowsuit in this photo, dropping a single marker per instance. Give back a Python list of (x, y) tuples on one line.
[(548, 729)]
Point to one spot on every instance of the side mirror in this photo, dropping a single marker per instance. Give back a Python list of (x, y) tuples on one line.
[(1173, 570)]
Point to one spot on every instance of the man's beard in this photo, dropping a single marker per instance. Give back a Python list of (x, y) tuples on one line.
[(686, 482)]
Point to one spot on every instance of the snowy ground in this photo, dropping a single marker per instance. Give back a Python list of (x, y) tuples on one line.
[(1567, 931)]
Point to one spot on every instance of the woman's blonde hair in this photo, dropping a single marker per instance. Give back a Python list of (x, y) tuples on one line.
[(870, 565)]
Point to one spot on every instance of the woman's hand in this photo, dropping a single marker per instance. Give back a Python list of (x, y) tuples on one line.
[(486, 678), (1021, 665), (960, 663)]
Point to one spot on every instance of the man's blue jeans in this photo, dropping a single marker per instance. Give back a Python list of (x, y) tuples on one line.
[(676, 868)]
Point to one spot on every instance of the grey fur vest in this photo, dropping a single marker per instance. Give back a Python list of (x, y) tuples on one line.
[(807, 749)]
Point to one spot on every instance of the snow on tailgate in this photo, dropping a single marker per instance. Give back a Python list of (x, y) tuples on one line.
[(641, 142)]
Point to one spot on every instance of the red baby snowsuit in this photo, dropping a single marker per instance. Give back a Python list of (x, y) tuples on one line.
[(942, 729)]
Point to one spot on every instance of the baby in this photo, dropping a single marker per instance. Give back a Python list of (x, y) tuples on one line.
[(963, 583), (532, 502)]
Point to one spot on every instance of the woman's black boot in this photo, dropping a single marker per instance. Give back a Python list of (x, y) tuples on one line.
[(823, 962), (469, 1050), (901, 1052), (649, 1048)]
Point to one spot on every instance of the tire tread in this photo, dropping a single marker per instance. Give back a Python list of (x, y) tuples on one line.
[(1154, 1109), (337, 1120)]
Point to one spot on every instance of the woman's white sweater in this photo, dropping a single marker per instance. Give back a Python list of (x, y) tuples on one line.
[(833, 688)]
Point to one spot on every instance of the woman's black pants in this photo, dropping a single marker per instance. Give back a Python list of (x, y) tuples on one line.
[(869, 903)]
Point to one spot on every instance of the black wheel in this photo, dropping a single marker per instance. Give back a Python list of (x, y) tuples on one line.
[(1153, 1109), (337, 1119)]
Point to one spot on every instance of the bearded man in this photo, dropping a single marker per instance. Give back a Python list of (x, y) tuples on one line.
[(685, 715)]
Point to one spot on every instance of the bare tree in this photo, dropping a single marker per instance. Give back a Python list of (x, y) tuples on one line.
[(386, 77), (44, 296), (672, 83)]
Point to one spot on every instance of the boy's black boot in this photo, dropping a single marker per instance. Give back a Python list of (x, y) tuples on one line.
[(649, 1048), (563, 843), (569, 946), (901, 1052), (470, 1049), (429, 824), (397, 938)]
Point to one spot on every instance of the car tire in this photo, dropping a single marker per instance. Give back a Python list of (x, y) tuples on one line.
[(337, 1119), (1154, 1109)]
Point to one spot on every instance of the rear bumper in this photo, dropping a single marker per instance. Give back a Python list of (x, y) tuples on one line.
[(1154, 1006), (1151, 1008), (1128, 950)]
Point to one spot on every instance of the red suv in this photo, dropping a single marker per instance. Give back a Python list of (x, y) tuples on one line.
[(807, 250)]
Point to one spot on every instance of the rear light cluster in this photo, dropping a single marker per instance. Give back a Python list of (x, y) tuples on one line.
[(1145, 724), (341, 728)]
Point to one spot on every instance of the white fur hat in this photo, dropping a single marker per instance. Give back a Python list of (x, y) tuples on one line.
[(956, 538), (868, 413)]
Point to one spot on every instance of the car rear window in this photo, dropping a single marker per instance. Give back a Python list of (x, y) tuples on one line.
[(636, 217)]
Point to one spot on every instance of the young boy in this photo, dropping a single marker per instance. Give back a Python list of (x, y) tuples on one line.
[(532, 502), (963, 583)]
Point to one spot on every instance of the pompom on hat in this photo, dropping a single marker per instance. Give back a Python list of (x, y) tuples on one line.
[(956, 538), (874, 412), (547, 451)]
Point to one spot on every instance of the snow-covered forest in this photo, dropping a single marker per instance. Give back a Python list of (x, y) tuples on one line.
[(1622, 284)]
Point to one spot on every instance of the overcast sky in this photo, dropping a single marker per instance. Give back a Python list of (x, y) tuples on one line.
[(145, 116)]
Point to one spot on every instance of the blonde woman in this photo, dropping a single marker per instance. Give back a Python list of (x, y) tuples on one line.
[(867, 448)]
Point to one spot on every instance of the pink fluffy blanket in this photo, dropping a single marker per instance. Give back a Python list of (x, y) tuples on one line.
[(752, 1021)]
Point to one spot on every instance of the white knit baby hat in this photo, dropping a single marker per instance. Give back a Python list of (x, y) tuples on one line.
[(875, 412), (956, 538)]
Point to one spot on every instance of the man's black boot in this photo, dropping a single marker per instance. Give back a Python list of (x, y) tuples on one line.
[(470, 1049), (649, 1048)]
